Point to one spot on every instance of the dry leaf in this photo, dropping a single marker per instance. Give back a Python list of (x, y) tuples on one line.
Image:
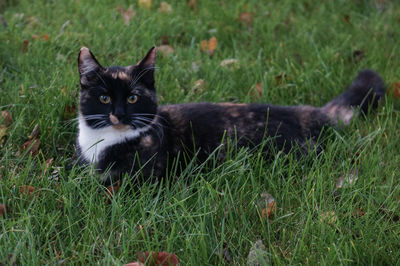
[(258, 254), (134, 264), (111, 190), (199, 85), (165, 8), (247, 18), (230, 63), (29, 191), (395, 90), (69, 111), (358, 213), (158, 258), (164, 39), (267, 205), (193, 4), (144, 4), (32, 146), (4, 209), (280, 79), (204, 46), (6, 117), (212, 45), (3, 133), (128, 14), (328, 217), (346, 19), (165, 49), (45, 37), (349, 179), (259, 89), (25, 45), (35, 132)]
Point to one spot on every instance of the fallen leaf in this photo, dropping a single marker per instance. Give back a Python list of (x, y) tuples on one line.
[(3, 132), (267, 205), (394, 89), (69, 111), (45, 37), (47, 166), (346, 19), (25, 45), (34, 36), (247, 18), (258, 254), (128, 14), (358, 213), (120, 9), (280, 79), (328, 217), (6, 117), (29, 191), (204, 45), (35, 132), (134, 264), (165, 49), (259, 88), (32, 146), (348, 179), (111, 190), (230, 63), (144, 4), (193, 4), (212, 45), (199, 85), (4, 209), (158, 258), (164, 39), (165, 8)]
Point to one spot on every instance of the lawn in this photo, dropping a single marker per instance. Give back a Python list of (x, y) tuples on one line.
[(283, 52)]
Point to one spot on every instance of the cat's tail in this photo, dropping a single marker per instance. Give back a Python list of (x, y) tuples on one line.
[(362, 95)]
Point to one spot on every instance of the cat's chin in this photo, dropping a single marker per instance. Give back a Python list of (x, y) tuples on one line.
[(121, 127)]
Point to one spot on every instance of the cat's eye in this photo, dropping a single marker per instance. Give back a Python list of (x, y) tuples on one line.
[(105, 99), (132, 99)]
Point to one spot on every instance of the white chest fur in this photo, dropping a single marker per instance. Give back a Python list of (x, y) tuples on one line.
[(93, 142)]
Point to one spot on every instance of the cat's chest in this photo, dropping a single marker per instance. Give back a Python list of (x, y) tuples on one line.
[(93, 142)]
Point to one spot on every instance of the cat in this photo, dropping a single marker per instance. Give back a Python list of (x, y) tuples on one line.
[(123, 131)]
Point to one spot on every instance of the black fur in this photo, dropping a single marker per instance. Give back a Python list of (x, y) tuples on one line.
[(200, 128)]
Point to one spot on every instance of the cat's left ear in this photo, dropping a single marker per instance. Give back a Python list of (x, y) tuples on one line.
[(147, 65)]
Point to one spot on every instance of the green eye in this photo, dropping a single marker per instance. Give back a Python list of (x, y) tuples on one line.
[(132, 99), (105, 99)]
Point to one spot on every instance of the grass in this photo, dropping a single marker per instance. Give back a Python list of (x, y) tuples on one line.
[(299, 51)]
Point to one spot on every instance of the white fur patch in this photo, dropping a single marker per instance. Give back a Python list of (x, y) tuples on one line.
[(92, 142)]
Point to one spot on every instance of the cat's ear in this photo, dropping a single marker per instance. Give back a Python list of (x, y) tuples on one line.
[(147, 65), (87, 64)]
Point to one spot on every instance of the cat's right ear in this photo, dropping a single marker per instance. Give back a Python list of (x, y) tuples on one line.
[(87, 64)]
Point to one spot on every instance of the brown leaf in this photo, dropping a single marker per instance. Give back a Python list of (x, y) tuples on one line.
[(358, 213), (165, 8), (4, 209), (128, 14), (346, 19), (45, 37), (394, 89), (3, 132), (158, 258), (120, 9), (111, 190), (193, 4), (259, 89), (144, 4), (34, 36), (29, 191), (204, 45), (280, 79), (69, 111), (267, 205), (25, 45), (32, 146), (35, 132), (6, 117), (165, 49), (199, 85), (212, 45), (164, 39), (247, 18)]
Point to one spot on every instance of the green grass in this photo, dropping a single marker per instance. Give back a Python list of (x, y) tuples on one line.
[(209, 207)]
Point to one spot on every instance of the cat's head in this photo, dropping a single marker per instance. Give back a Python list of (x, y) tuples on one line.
[(118, 97)]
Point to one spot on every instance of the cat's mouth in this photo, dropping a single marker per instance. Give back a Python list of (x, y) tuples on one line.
[(116, 123)]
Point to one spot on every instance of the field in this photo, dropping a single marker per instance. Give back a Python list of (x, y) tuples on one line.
[(282, 52)]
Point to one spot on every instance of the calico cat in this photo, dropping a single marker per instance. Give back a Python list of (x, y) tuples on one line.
[(122, 130)]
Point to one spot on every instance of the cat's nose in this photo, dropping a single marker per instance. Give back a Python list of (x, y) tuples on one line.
[(119, 113)]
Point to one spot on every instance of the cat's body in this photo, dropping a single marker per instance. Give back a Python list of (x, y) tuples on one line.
[(122, 129)]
